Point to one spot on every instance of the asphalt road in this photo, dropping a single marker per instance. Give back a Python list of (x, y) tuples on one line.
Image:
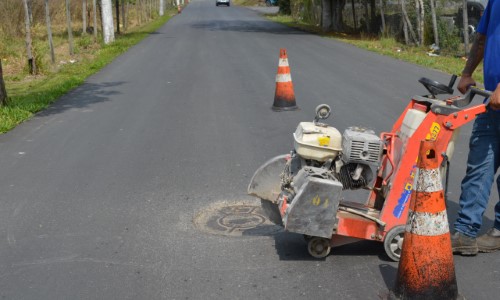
[(98, 193)]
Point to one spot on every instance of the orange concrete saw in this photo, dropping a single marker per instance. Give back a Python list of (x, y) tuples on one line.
[(305, 190)]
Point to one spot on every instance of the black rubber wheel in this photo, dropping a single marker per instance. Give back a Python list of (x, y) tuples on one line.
[(393, 242), (272, 211), (319, 247)]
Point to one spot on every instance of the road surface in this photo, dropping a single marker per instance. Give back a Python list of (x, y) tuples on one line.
[(100, 193)]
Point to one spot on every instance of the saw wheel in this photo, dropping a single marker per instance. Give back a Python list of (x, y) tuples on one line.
[(318, 247)]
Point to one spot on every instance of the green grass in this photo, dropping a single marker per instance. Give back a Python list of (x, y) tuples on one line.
[(26, 97), (387, 46)]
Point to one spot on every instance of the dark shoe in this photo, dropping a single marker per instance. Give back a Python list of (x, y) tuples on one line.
[(490, 241), (462, 244)]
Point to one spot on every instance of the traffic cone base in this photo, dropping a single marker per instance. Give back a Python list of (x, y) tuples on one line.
[(284, 97)]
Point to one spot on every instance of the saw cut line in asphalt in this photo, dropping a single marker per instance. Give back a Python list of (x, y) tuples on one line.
[(235, 219)]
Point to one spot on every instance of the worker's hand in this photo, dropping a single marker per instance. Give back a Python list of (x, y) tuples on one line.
[(466, 81), (495, 98)]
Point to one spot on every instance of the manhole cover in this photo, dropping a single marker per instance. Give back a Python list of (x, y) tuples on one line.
[(236, 220)]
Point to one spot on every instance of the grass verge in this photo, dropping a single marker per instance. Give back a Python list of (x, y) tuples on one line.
[(26, 97), (389, 47)]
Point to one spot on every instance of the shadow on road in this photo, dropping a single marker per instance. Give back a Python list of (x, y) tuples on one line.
[(246, 26), (83, 97), (388, 273)]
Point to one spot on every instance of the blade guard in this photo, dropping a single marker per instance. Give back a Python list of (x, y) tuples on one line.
[(266, 182)]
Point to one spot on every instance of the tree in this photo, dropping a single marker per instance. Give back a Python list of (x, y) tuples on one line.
[(31, 60), (70, 30), (84, 17), (124, 17), (107, 22), (49, 32), (94, 13), (326, 17), (434, 23), (383, 16), (162, 7), (466, 27), (117, 7), (420, 11), (3, 92), (407, 24), (337, 15)]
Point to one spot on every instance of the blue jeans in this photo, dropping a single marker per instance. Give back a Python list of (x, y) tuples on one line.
[(482, 164)]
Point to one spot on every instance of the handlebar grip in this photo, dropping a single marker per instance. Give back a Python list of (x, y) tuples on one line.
[(480, 92)]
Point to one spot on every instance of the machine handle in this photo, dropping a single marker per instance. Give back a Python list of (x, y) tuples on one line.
[(452, 81), (477, 91)]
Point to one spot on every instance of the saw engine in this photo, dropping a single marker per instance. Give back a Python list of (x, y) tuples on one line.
[(347, 158), (322, 164)]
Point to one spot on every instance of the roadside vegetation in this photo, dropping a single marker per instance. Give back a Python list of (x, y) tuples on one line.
[(405, 32), (448, 62), (30, 91)]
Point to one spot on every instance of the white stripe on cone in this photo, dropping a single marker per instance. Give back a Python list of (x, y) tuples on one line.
[(427, 224), (283, 78), (283, 62), (428, 181)]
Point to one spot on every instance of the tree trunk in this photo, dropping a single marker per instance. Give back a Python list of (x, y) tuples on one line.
[(337, 15), (354, 15), (465, 17), (138, 10), (107, 21), (49, 32), (326, 16), (94, 9), (125, 22), (31, 60), (123, 16), (70, 30), (382, 16), (117, 9), (434, 23), (367, 17), (30, 10), (422, 20), (84, 17), (407, 22), (162, 7), (3, 92)]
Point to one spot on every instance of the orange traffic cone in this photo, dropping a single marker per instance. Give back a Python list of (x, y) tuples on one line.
[(284, 97), (426, 269)]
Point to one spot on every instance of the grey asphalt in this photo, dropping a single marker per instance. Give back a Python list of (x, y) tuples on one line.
[(98, 193)]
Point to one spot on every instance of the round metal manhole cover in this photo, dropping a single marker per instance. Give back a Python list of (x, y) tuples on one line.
[(236, 220)]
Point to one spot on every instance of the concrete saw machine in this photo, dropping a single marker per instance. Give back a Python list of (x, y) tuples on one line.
[(305, 191)]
